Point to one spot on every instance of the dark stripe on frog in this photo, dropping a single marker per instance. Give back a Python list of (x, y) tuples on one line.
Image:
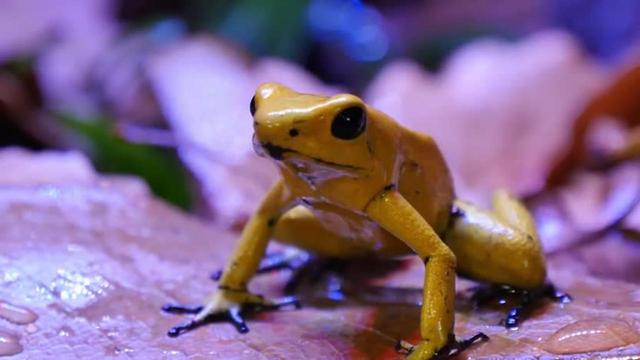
[(454, 214), (369, 147), (277, 153), (230, 289)]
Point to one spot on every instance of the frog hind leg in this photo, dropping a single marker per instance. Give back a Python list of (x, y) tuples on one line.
[(331, 244), (501, 247), (524, 299)]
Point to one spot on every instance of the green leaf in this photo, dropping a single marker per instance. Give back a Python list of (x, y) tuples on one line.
[(110, 153), (265, 27)]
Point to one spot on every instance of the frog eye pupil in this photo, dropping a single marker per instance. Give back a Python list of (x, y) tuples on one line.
[(252, 106), (349, 123)]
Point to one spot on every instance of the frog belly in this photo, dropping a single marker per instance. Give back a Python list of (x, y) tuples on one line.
[(336, 232)]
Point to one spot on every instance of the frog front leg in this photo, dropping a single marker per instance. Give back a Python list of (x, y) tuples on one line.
[(396, 215), (232, 296)]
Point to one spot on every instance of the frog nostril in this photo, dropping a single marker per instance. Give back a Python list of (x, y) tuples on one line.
[(252, 105), (294, 132)]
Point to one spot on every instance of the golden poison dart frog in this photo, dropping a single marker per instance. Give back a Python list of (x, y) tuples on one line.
[(355, 183)]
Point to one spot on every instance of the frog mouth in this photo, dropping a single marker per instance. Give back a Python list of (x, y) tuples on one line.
[(267, 149), (277, 152)]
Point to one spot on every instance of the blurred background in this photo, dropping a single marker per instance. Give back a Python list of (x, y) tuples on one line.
[(541, 97), (160, 89)]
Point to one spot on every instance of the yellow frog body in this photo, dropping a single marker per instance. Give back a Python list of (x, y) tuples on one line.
[(355, 183)]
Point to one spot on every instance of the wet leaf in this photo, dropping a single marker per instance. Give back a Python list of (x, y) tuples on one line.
[(95, 257)]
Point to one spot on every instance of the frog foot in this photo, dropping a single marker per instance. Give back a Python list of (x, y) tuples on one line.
[(289, 259), (451, 349), (314, 270), (226, 306), (524, 301)]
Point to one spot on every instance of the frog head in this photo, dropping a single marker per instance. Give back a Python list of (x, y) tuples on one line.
[(307, 131)]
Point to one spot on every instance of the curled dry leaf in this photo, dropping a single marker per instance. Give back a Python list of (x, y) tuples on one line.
[(93, 258), (618, 101), (204, 87), (595, 184)]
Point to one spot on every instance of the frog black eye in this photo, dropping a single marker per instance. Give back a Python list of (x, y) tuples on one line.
[(349, 123), (252, 106)]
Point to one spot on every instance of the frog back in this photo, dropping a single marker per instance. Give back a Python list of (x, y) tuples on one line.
[(424, 179)]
